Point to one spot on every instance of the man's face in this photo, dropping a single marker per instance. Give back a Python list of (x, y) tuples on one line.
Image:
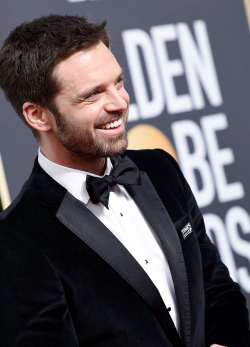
[(92, 106)]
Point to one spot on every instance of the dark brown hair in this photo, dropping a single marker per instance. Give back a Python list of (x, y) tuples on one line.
[(33, 49)]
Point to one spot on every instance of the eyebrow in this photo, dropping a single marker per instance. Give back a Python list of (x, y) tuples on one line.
[(91, 90)]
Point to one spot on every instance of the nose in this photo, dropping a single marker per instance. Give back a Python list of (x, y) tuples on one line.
[(118, 100)]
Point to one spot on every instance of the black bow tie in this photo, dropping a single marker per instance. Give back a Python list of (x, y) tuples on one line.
[(124, 172)]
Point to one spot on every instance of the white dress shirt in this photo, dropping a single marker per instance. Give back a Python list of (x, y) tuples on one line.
[(126, 221)]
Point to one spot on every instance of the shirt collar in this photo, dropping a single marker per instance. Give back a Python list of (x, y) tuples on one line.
[(71, 179)]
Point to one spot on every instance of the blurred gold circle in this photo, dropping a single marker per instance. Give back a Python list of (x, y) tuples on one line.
[(145, 136)]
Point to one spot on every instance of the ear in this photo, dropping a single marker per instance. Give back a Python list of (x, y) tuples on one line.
[(38, 117)]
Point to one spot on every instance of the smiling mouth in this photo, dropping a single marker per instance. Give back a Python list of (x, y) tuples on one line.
[(111, 125)]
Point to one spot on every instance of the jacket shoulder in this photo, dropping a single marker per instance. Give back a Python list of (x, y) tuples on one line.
[(166, 177)]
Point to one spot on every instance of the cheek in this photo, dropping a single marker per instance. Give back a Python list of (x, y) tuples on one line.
[(90, 114)]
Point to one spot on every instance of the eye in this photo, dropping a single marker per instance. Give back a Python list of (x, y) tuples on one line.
[(120, 81), (92, 95)]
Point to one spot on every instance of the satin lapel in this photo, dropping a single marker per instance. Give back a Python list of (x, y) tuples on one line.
[(76, 217), (153, 209)]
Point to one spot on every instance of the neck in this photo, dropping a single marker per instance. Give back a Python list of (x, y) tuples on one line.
[(53, 150), (63, 157)]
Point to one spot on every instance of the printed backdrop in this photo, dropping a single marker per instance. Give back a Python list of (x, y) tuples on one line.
[(187, 65)]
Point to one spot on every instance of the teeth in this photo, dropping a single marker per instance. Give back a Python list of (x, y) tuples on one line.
[(114, 124)]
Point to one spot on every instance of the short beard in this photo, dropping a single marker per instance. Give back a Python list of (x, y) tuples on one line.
[(80, 142)]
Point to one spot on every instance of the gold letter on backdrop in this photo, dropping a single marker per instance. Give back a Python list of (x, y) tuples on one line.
[(247, 7), (4, 191)]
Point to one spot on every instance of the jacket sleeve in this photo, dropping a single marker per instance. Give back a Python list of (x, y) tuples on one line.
[(226, 315), (33, 309)]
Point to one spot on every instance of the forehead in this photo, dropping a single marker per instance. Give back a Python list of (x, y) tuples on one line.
[(85, 68)]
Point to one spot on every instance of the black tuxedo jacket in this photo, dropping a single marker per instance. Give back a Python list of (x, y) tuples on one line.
[(65, 280)]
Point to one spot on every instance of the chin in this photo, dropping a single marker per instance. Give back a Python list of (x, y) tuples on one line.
[(113, 150)]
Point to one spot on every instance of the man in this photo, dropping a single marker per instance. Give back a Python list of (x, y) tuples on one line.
[(86, 261)]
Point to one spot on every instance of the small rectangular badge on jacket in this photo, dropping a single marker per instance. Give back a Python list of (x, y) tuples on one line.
[(186, 231)]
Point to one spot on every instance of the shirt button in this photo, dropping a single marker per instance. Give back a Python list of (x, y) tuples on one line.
[(146, 261), (121, 214)]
